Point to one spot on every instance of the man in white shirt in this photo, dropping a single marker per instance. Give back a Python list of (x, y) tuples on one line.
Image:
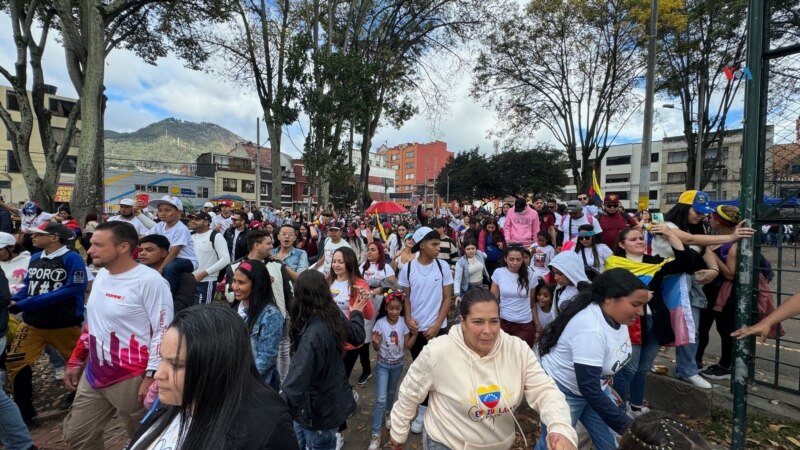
[(574, 218), (223, 220), (128, 311), (332, 242), (208, 208), (212, 255), (129, 213)]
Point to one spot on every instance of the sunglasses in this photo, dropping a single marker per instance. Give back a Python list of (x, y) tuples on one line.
[(585, 238), (612, 205), (583, 198)]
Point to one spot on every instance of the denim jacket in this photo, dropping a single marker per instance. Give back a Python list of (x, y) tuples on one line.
[(462, 273), (296, 260), (264, 342)]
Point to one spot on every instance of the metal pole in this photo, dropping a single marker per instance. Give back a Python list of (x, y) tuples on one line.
[(258, 163), (752, 148), (448, 189), (698, 151), (647, 131)]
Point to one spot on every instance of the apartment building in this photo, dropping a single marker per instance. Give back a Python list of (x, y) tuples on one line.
[(381, 181), (12, 185), (416, 166)]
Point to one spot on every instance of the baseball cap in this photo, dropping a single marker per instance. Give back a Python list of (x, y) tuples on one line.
[(421, 235), (225, 203), (574, 205), (334, 224), (202, 215), (208, 205), (167, 200), (697, 199), (7, 240), (611, 198), (126, 202), (53, 229)]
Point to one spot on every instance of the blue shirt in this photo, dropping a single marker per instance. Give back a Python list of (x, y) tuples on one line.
[(296, 260)]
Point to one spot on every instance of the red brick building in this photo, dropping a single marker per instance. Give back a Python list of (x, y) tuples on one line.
[(416, 167)]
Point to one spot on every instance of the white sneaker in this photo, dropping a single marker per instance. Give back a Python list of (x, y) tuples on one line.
[(375, 442), (388, 421), (339, 441), (355, 395), (60, 373), (419, 421), (634, 413), (698, 381)]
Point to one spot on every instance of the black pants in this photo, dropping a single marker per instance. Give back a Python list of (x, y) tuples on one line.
[(725, 321), (350, 357), (363, 357)]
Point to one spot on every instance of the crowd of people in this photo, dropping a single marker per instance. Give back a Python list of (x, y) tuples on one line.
[(194, 327)]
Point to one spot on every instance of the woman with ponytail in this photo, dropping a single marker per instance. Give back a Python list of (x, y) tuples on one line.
[(586, 345)]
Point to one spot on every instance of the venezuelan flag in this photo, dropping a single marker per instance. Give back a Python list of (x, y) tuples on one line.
[(594, 189)]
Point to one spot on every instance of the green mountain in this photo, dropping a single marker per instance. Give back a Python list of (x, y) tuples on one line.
[(169, 140)]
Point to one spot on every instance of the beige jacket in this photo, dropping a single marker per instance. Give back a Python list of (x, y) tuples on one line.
[(472, 399)]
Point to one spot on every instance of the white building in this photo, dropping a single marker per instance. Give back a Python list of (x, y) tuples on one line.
[(381, 176)]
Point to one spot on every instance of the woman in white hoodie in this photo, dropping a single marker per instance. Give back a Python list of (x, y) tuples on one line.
[(570, 277), (476, 376), (13, 261)]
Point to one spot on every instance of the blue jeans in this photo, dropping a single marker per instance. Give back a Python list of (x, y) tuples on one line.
[(315, 439), (56, 360), (630, 381), (14, 435), (602, 436), (685, 364), (204, 292), (386, 378), (172, 272)]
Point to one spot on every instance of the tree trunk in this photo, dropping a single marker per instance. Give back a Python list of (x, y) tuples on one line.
[(325, 193), (88, 193)]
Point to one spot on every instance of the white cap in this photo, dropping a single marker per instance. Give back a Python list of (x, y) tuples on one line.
[(126, 202), (7, 240), (167, 199), (208, 205)]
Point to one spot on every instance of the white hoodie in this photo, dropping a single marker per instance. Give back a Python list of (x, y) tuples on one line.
[(472, 399), (15, 270), (571, 265)]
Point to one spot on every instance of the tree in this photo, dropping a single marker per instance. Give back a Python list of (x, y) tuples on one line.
[(90, 30), (30, 49), (692, 66), (257, 46), (470, 177), (570, 70), (538, 170)]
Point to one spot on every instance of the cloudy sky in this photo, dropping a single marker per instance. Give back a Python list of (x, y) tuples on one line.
[(140, 94)]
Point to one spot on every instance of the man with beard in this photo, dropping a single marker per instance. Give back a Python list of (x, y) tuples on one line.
[(222, 221), (129, 213), (547, 220)]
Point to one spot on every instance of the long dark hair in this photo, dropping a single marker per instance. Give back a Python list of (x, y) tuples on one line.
[(613, 283), (401, 239), (350, 266), (523, 283), (679, 215), (579, 246), (546, 236), (312, 299), (381, 262), (623, 234), (388, 297), (219, 372), (260, 292), (497, 236)]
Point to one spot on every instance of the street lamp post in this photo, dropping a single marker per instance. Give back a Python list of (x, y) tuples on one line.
[(448, 189)]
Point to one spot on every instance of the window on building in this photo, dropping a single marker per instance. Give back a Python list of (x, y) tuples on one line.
[(677, 157), (410, 154), (248, 186), (618, 160), (794, 169), (409, 165), (409, 176), (11, 101), (395, 167), (672, 197), (653, 195), (711, 153), (58, 136), (653, 176), (69, 164), (59, 107), (264, 189), (676, 177), (11, 162), (395, 157), (162, 189), (202, 192), (618, 178), (653, 157), (139, 187), (306, 190), (286, 190), (229, 184), (622, 195)]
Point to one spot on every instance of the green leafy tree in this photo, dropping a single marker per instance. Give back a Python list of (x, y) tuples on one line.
[(539, 169), (570, 70), (470, 177)]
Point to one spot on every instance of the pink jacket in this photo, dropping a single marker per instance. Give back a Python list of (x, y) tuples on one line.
[(521, 228)]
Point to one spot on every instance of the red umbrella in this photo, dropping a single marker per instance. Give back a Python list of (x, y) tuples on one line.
[(386, 208)]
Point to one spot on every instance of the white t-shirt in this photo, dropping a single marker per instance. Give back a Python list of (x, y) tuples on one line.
[(515, 304), (222, 221), (33, 222), (178, 234), (565, 222), (603, 252), (588, 339), (541, 256), (212, 257), (340, 290), (141, 230), (662, 247), (427, 282), (373, 276), (393, 339), (169, 437), (330, 247), (545, 317)]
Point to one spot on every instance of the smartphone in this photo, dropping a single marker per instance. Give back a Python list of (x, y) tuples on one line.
[(657, 217)]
